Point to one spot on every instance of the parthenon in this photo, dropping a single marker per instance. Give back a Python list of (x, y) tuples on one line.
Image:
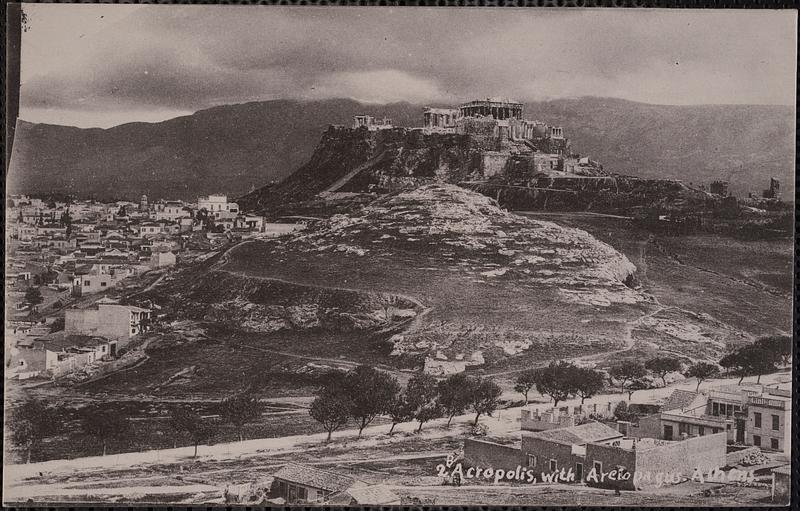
[(499, 108)]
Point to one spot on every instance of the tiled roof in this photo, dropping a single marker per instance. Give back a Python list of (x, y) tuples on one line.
[(785, 470), (585, 433), (314, 477), (377, 495), (60, 341), (678, 400)]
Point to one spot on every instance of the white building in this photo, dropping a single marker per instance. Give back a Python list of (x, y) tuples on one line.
[(162, 260), (107, 319), (217, 205), (172, 211)]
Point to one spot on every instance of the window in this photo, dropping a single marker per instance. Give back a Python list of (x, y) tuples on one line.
[(757, 440), (776, 422), (103, 284), (715, 408), (757, 419), (553, 465), (598, 467), (728, 427), (87, 283), (773, 443), (531, 460), (701, 430)]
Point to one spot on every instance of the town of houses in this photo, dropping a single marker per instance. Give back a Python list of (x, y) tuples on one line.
[(67, 264)]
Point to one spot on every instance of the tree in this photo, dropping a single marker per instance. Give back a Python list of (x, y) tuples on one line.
[(702, 371), (57, 325), (731, 362), (105, 425), (400, 410), (556, 381), (331, 410), (627, 370), (30, 423), (190, 422), (755, 359), (637, 384), (33, 296), (454, 395), (663, 365), (484, 396), (241, 409), (623, 413), (587, 382), (779, 345), (525, 382), (66, 221), (369, 394), (422, 395)]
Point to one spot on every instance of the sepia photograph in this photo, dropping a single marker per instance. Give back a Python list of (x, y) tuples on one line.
[(398, 256)]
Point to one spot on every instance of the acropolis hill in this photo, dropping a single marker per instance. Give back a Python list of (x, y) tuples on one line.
[(486, 145), (231, 148), (498, 127)]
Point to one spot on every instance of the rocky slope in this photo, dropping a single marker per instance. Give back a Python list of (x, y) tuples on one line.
[(362, 161), (472, 231), (497, 285), (258, 305), (441, 277)]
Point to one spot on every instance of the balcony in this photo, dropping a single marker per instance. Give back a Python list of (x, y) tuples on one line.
[(767, 402), (739, 398)]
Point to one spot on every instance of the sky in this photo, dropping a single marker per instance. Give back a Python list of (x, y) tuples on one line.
[(104, 65)]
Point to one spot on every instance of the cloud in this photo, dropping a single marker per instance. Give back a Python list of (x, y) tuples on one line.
[(183, 58), (380, 86)]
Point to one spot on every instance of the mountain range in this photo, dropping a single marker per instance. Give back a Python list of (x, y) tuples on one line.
[(235, 148)]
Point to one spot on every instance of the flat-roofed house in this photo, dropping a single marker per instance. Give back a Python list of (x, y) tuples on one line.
[(114, 321)]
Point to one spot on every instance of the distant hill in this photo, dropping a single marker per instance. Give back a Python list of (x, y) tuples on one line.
[(234, 148)]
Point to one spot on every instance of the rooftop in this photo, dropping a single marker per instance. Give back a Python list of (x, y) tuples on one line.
[(679, 400), (315, 477), (373, 495), (583, 434), (60, 341)]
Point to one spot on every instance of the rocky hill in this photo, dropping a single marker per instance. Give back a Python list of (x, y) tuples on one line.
[(236, 147), (495, 284)]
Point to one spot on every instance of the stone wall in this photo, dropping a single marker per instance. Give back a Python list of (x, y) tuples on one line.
[(611, 458), (493, 163), (734, 458), (648, 427), (81, 321), (482, 453), (546, 450), (703, 453)]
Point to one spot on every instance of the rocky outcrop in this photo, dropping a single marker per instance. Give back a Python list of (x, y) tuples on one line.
[(373, 161), (263, 305), (476, 233)]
